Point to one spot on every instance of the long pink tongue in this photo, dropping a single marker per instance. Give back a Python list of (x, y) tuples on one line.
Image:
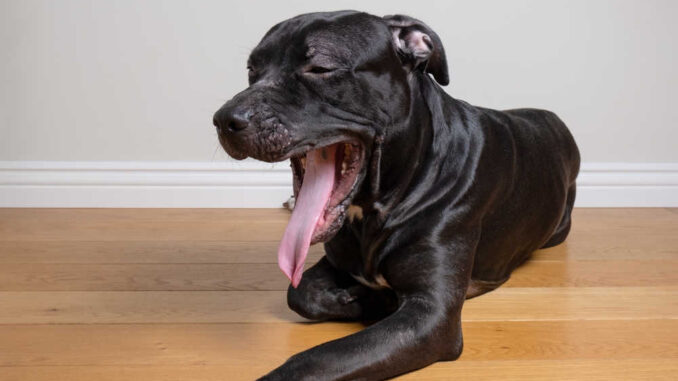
[(308, 212)]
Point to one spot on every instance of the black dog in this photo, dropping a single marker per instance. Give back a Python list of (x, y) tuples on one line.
[(422, 200)]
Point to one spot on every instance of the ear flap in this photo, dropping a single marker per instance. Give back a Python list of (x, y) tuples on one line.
[(418, 46)]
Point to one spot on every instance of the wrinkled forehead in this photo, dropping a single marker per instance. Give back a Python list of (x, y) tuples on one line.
[(337, 34)]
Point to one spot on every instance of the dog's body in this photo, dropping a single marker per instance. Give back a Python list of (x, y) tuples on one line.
[(449, 198)]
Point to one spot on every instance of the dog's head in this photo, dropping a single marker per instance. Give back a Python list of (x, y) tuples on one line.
[(323, 87)]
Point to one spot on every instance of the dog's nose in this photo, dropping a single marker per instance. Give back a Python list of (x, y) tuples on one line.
[(237, 121), (231, 120)]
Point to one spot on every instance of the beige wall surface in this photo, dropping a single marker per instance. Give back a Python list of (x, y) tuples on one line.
[(139, 80)]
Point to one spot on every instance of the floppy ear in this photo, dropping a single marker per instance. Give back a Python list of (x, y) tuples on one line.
[(418, 46)]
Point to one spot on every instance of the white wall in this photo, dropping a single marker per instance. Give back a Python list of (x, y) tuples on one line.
[(138, 81)]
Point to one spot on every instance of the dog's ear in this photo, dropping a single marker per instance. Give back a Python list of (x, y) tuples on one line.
[(418, 46)]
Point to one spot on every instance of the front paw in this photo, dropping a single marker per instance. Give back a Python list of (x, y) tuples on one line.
[(348, 295), (324, 304)]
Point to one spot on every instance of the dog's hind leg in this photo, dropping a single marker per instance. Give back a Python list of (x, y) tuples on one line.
[(563, 228), (477, 287), (326, 293)]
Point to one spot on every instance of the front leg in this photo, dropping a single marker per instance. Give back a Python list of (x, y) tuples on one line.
[(426, 327)]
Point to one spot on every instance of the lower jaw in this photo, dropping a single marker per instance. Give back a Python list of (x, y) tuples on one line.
[(331, 225)]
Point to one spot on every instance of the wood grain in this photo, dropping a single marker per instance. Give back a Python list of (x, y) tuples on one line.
[(267, 276), (507, 304), (218, 344), (129, 252), (527, 370), (187, 294), (141, 224)]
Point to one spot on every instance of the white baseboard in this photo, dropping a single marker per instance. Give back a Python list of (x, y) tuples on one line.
[(262, 185)]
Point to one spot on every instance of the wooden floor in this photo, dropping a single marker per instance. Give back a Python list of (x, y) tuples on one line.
[(180, 294)]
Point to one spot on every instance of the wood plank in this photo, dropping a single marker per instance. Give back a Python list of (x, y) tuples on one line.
[(529, 370), (586, 247), (142, 277), (607, 273), (222, 235), (141, 224), (87, 215), (553, 370), (241, 344), (190, 251), (509, 304), (585, 303), (606, 218), (207, 251), (263, 276), (255, 224)]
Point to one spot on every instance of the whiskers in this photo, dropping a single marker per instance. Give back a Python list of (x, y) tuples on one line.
[(217, 147)]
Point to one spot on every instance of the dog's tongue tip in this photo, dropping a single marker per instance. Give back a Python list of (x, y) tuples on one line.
[(314, 194), (296, 278), (293, 274)]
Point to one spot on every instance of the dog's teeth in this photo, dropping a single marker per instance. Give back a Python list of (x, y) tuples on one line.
[(347, 150), (303, 162)]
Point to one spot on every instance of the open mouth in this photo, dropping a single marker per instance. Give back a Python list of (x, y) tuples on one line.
[(347, 165), (325, 181)]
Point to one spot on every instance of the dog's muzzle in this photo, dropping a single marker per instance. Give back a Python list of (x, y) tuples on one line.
[(245, 132)]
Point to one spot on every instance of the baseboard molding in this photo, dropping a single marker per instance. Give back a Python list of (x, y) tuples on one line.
[(262, 185)]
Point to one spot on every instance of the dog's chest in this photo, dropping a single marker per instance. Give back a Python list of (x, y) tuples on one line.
[(356, 250), (354, 266), (359, 267), (377, 282), (366, 272)]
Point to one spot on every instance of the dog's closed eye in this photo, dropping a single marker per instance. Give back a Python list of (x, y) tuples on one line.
[(319, 70)]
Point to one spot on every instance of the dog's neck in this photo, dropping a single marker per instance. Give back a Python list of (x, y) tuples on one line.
[(397, 168)]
